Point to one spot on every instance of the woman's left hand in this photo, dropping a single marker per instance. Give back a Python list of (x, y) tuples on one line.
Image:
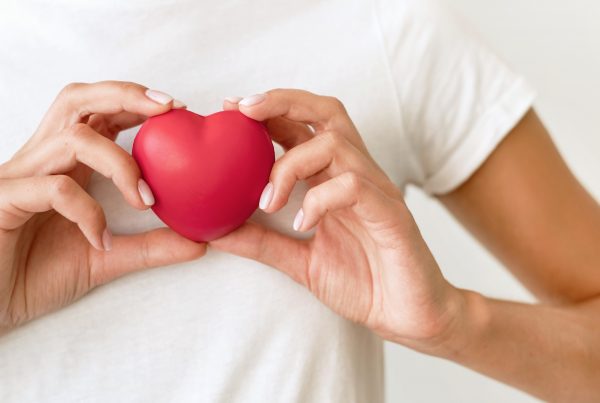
[(367, 260)]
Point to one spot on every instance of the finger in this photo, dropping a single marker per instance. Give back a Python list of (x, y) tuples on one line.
[(348, 190), (132, 253), (256, 242), (231, 103), (80, 143), (84, 145), (287, 133), (23, 197), (77, 101), (321, 112), (283, 131), (111, 125), (329, 153)]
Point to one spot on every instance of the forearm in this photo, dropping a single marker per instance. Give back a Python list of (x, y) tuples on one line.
[(552, 352)]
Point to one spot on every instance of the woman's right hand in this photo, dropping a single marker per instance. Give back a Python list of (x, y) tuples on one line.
[(54, 242)]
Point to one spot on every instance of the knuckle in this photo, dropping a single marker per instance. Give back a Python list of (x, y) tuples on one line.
[(127, 86), (282, 169), (276, 91), (78, 130), (277, 169), (129, 169), (124, 162), (311, 200), (335, 105), (61, 185), (68, 96), (69, 89), (351, 181), (334, 140), (71, 137), (129, 164)]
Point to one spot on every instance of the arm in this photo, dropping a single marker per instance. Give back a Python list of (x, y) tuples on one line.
[(368, 262), (529, 210)]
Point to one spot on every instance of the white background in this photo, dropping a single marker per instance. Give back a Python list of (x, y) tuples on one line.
[(556, 45)]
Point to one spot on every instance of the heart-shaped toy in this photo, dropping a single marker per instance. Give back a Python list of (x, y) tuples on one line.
[(206, 173)]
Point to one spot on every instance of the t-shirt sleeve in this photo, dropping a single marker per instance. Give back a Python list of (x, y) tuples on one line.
[(457, 99)]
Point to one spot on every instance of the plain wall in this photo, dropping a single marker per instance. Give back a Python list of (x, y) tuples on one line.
[(556, 45)]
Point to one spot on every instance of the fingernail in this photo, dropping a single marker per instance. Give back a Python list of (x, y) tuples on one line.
[(97, 244), (107, 240), (233, 100), (298, 220), (145, 193), (266, 196), (177, 104), (253, 100), (158, 96)]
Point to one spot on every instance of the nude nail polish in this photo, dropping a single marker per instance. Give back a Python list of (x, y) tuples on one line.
[(145, 193), (253, 100), (159, 96), (298, 220), (177, 104), (266, 196), (233, 100)]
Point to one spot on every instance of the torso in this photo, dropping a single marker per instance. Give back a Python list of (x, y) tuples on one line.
[(222, 328)]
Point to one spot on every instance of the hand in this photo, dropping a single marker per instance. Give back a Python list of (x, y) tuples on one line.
[(367, 260), (54, 241)]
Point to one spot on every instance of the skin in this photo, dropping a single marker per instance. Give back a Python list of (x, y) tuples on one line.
[(367, 260), (526, 206), (54, 240)]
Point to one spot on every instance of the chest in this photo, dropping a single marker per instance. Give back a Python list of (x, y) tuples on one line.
[(201, 53)]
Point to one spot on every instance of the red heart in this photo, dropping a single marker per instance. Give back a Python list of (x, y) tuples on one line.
[(206, 173)]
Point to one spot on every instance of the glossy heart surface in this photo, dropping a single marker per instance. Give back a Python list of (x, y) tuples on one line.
[(206, 173)]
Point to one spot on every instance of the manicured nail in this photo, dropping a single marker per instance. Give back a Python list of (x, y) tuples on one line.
[(298, 220), (177, 104), (107, 240), (159, 97), (233, 100), (266, 196), (253, 100), (97, 243), (145, 193)]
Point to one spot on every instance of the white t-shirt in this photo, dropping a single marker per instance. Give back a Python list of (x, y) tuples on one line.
[(430, 101)]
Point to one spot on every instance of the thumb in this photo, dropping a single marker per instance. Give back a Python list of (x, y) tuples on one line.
[(132, 253), (272, 248)]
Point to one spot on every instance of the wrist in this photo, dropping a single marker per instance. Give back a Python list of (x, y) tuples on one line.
[(465, 323), (469, 325)]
